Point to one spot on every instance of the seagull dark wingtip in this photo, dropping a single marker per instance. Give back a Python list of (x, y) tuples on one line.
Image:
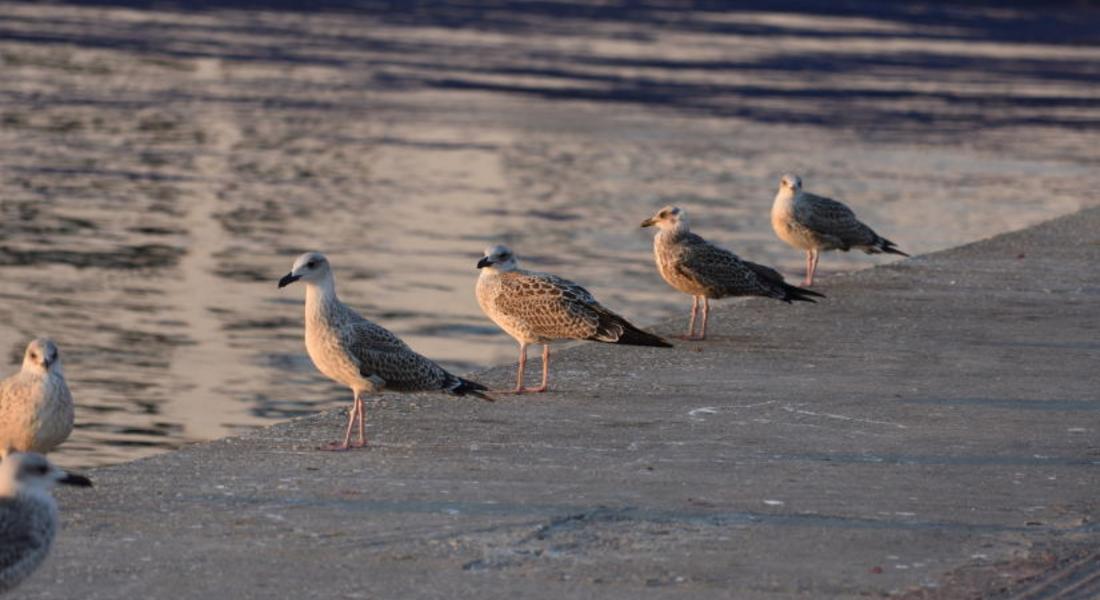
[(75, 480), (473, 388)]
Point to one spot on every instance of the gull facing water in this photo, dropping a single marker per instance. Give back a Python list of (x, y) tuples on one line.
[(697, 267), (815, 223), (28, 513), (36, 408), (539, 308), (360, 354)]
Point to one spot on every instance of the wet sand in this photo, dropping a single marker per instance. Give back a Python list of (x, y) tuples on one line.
[(161, 167)]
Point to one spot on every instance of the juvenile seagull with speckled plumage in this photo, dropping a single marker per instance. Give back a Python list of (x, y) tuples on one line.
[(815, 223), (360, 354), (28, 513), (697, 267), (36, 408), (539, 308)]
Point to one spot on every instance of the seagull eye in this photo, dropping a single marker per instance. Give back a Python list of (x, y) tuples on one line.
[(34, 356), (311, 264)]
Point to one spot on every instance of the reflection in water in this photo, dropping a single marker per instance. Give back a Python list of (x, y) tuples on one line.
[(161, 171)]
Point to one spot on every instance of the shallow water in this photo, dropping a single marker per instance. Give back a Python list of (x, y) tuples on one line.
[(161, 170)]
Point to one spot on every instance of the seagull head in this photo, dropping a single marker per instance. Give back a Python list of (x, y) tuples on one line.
[(310, 267), (498, 258), (41, 356), (31, 473), (791, 182), (668, 218)]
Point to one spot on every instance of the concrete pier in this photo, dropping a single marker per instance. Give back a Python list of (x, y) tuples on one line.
[(930, 429)]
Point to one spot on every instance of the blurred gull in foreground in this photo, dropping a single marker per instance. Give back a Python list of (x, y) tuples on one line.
[(815, 223), (360, 354), (695, 266), (36, 408), (539, 308), (28, 513)]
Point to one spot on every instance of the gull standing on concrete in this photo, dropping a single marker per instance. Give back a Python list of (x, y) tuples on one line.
[(28, 513), (360, 354), (36, 408), (815, 223), (697, 267), (539, 308)]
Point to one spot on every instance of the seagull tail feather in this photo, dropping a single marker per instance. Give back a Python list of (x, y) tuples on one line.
[(890, 248), (793, 293), (637, 337), (463, 387), (884, 245), (617, 330), (779, 289)]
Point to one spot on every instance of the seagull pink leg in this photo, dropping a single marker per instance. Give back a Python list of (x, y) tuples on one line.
[(336, 446), (706, 313), (691, 326), (519, 389), (545, 369), (362, 410), (813, 269), (694, 311), (812, 257)]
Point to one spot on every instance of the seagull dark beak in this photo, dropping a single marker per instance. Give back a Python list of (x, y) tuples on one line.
[(74, 479), (484, 262), (649, 222), (288, 279)]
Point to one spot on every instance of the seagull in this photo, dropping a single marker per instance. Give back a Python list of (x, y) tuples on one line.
[(539, 308), (697, 267), (815, 223), (36, 408), (28, 513), (360, 354)]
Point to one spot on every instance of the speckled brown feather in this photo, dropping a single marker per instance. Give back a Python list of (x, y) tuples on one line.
[(381, 354), (366, 356), (809, 221), (539, 308), (832, 223), (694, 266)]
